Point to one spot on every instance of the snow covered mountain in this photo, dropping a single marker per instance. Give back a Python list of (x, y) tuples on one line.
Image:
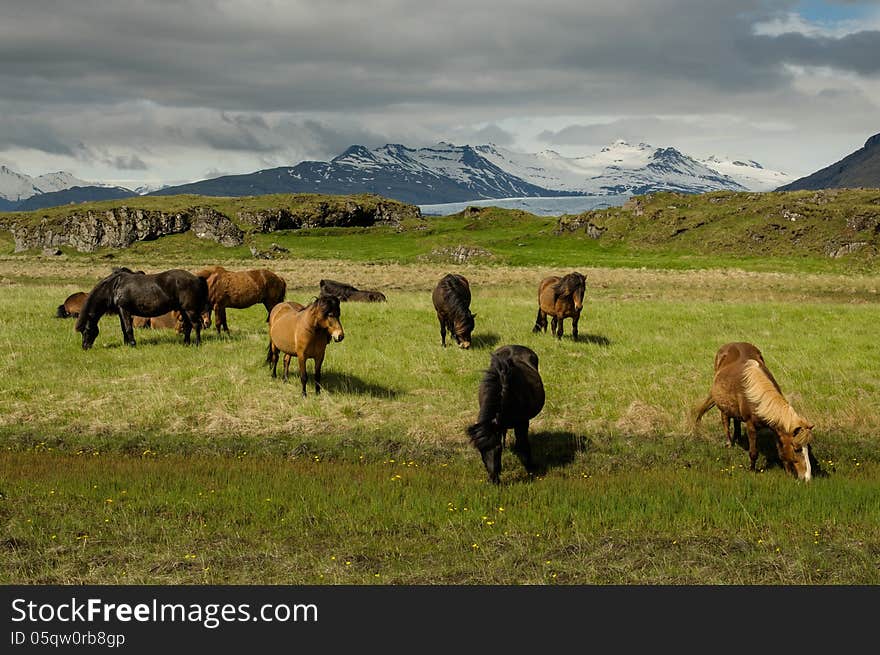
[(444, 173), (17, 186), (620, 168), (748, 173), (447, 173)]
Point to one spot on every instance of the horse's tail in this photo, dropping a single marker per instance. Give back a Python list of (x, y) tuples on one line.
[(487, 432), (61, 312), (708, 404)]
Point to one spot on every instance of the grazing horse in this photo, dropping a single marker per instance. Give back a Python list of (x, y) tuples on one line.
[(511, 394), (72, 306), (744, 390), (238, 290), (303, 331), (346, 292), (126, 292), (561, 298), (452, 301)]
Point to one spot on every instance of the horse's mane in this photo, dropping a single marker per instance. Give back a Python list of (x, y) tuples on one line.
[(495, 383), (98, 298), (568, 284), (327, 303), (768, 403)]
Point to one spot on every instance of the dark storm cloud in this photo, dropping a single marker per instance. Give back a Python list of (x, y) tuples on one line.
[(857, 53)]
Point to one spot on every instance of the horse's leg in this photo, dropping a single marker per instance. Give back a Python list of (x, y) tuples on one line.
[(725, 421), (737, 433), (272, 359), (196, 321), (521, 446), (574, 326), (187, 327), (303, 375), (286, 368), (127, 328), (220, 316), (559, 323), (442, 330), (319, 359), (753, 444), (540, 322)]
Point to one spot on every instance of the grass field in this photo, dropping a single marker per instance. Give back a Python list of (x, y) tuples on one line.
[(167, 464)]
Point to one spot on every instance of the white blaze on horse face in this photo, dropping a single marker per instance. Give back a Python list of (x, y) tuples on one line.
[(808, 472)]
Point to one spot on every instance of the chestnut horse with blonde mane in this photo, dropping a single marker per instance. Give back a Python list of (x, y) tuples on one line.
[(303, 331), (744, 390), (560, 298), (238, 290)]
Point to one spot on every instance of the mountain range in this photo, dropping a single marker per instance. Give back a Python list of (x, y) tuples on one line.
[(442, 173)]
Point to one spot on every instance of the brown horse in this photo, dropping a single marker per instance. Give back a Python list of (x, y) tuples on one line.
[(240, 289), (561, 298), (452, 302), (72, 306), (169, 320), (304, 332), (744, 390)]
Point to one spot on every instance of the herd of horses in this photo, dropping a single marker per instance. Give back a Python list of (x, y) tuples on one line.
[(511, 391)]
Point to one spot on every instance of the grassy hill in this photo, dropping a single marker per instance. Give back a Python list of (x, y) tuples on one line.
[(832, 230)]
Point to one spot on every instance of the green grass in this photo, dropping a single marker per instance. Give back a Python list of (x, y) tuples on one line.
[(168, 464)]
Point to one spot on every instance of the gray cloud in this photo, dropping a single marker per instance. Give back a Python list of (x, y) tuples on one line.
[(857, 53), (128, 163), (256, 82)]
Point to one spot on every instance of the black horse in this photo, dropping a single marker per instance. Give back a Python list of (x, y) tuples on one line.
[(127, 292), (452, 301), (511, 394), (346, 292)]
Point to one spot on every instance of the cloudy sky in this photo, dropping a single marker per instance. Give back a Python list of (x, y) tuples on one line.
[(148, 91)]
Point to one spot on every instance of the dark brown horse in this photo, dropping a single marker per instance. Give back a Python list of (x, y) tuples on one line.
[(560, 298), (452, 302), (744, 390), (346, 292), (128, 293), (238, 290), (511, 394), (72, 306), (303, 331)]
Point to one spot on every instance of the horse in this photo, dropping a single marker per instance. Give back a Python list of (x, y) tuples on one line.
[(511, 394), (167, 321), (303, 331), (238, 290), (346, 292), (744, 390), (126, 292), (452, 301), (561, 298), (72, 306)]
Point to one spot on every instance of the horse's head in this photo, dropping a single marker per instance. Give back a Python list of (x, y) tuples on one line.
[(794, 451), (463, 329), (574, 285), (328, 316), (206, 317), (89, 329)]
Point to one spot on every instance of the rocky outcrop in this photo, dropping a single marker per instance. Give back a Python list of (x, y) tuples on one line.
[(330, 213), (119, 227)]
